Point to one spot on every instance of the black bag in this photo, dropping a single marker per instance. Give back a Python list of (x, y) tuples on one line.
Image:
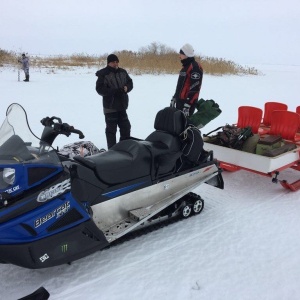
[(192, 144), (231, 136), (192, 148)]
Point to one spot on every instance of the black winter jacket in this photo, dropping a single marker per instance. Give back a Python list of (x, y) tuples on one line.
[(110, 85), (189, 81)]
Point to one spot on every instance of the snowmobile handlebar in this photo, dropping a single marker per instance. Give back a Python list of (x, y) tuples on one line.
[(61, 128), (50, 121), (73, 130), (66, 129), (55, 127)]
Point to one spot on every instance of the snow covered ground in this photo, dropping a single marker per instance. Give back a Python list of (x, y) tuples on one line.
[(244, 245)]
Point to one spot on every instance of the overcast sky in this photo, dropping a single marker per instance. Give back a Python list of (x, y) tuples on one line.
[(245, 31)]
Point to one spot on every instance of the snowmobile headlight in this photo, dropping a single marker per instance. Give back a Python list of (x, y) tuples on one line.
[(9, 175)]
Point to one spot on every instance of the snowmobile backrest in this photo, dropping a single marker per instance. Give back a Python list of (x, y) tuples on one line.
[(169, 124), (170, 120), (165, 143)]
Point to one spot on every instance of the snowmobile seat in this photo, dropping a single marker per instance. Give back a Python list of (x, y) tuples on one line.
[(165, 144), (125, 161), (164, 156)]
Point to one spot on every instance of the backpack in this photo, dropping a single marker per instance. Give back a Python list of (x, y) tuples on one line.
[(231, 136), (192, 148), (192, 144)]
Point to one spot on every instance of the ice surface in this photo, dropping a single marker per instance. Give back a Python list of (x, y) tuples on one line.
[(244, 245)]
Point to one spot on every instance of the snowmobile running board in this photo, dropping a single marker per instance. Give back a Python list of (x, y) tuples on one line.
[(137, 217)]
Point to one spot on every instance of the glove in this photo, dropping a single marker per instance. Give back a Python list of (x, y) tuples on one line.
[(173, 102), (186, 109)]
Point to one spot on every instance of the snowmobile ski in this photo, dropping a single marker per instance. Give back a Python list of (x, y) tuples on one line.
[(40, 294)]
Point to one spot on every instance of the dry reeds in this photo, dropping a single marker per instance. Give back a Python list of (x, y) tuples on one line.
[(7, 58), (153, 59)]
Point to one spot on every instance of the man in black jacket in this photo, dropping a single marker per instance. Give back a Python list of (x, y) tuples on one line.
[(114, 84), (189, 82)]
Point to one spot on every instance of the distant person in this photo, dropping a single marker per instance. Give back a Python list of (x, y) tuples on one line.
[(189, 81), (114, 84), (25, 66)]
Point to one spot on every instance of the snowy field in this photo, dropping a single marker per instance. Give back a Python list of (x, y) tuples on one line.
[(244, 245)]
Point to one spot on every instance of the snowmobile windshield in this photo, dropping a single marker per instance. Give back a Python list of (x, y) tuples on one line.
[(22, 155)]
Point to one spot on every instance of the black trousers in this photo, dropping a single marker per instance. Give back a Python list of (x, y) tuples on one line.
[(113, 120)]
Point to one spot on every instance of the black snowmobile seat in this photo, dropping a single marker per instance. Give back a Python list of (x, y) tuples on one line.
[(165, 143), (131, 159), (125, 161)]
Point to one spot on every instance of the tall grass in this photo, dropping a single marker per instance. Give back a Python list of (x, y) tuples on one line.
[(8, 58), (153, 59)]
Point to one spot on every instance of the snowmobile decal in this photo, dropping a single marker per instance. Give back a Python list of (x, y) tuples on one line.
[(44, 257), (57, 213), (13, 189), (54, 191)]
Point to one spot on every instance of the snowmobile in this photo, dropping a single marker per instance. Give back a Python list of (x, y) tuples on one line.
[(55, 209)]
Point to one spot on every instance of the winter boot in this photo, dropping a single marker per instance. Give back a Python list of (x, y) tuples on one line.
[(27, 78)]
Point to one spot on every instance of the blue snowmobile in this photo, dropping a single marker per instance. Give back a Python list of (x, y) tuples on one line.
[(55, 209)]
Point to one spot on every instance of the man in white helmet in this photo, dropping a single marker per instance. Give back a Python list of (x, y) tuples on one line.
[(189, 81)]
